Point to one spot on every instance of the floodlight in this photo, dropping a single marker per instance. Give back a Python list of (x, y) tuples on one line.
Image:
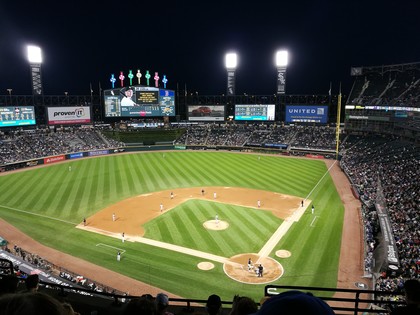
[(281, 58), (231, 61), (34, 54)]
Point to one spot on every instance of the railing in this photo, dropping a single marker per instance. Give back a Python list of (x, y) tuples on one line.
[(342, 301), (345, 301)]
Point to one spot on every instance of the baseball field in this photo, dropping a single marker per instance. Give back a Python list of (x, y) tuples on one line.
[(172, 237)]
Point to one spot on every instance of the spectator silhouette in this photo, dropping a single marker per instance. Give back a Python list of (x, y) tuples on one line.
[(141, 306), (295, 302), (8, 284), (32, 283), (243, 305), (214, 304), (31, 304), (162, 303), (412, 298)]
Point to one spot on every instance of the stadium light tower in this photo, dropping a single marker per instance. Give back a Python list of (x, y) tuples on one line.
[(282, 59), (231, 61), (35, 61)]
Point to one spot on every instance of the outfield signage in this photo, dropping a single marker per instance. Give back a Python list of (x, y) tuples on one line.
[(100, 152), (54, 159), (76, 155), (69, 115), (376, 118), (275, 145), (383, 108), (307, 113)]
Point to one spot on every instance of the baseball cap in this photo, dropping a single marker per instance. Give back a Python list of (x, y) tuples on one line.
[(162, 298), (294, 302)]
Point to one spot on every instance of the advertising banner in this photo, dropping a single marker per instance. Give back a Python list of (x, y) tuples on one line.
[(307, 113), (69, 115)]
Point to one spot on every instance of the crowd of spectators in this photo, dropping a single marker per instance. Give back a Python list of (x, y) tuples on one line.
[(396, 87), (242, 135), (22, 145), (39, 263), (390, 167)]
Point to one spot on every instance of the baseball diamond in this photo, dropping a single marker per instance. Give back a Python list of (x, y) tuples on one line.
[(164, 248)]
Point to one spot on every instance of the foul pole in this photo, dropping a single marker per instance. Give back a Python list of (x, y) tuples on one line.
[(337, 128)]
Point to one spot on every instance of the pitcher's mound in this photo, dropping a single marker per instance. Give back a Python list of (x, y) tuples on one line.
[(216, 225)]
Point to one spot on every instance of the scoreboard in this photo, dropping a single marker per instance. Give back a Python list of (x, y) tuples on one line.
[(144, 101), (17, 116), (264, 112)]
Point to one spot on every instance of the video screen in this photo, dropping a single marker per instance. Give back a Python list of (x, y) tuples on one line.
[(260, 112), (139, 101), (12, 116), (307, 113), (206, 113)]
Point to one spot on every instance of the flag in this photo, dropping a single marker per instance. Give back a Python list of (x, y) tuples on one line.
[(91, 90), (329, 92)]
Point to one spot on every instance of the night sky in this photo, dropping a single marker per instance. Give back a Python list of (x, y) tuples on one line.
[(83, 42)]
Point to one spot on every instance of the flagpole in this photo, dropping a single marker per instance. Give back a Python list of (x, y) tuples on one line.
[(91, 93), (100, 102), (337, 128), (329, 94)]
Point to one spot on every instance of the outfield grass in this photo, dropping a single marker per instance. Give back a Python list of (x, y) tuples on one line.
[(47, 202)]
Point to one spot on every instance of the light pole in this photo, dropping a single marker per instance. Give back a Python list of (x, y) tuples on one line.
[(10, 95), (67, 97), (282, 59), (231, 62), (35, 61)]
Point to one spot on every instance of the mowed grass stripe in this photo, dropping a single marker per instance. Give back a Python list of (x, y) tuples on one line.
[(139, 179), (38, 191), (210, 169), (62, 192), (13, 187), (156, 163), (94, 187), (89, 175), (130, 185), (105, 178), (45, 190), (120, 183), (172, 177), (19, 193), (250, 171), (247, 234), (149, 173), (177, 170), (189, 166), (78, 204)]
